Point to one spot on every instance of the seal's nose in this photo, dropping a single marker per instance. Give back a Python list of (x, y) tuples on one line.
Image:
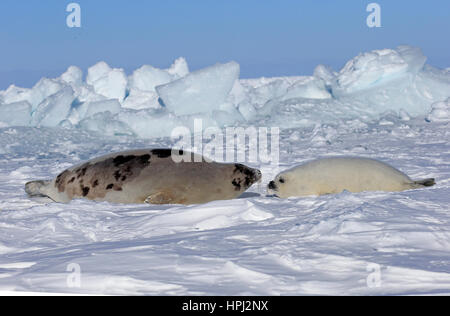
[(272, 185)]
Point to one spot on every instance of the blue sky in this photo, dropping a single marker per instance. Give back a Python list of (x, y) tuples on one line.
[(266, 37)]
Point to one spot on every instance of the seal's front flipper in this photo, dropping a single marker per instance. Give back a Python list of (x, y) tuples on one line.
[(425, 183), (161, 197), (34, 188)]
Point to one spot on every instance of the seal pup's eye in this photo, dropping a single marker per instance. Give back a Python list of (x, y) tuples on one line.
[(281, 180)]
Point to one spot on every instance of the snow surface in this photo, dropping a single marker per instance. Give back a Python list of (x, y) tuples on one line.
[(394, 109)]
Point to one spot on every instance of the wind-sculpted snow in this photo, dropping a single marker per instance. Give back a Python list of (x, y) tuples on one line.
[(366, 243), (440, 111), (388, 83), (377, 68)]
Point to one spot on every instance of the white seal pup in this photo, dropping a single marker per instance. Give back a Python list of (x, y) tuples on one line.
[(334, 175), (148, 176)]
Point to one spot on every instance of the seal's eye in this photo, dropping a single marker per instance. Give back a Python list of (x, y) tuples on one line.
[(281, 180)]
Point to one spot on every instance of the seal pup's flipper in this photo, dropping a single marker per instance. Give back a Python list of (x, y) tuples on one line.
[(425, 183)]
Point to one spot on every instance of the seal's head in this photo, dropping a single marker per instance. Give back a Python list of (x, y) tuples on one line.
[(275, 187), (243, 177)]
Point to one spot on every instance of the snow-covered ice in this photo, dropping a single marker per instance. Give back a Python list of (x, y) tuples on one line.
[(88, 109), (385, 104), (50, 111), (201, 91), (440, 111), (16, 114), (397, 81), (106, 81)]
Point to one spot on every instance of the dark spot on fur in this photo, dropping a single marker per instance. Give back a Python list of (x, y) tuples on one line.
[(120, 160), (126, 165), (96, 179), (60, 181), (162, 153), (243, 169), (237, 184), (58, 178), (238, 168), (81, 172), (85, 191), (144, 159), (248, 182)]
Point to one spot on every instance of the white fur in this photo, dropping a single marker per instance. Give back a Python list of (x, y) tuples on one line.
[(334, 175)]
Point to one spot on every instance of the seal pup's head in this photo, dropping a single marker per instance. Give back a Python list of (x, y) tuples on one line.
[(277, 185)]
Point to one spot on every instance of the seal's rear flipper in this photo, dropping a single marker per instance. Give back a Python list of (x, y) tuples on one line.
[(33, 188), (426, 183)]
